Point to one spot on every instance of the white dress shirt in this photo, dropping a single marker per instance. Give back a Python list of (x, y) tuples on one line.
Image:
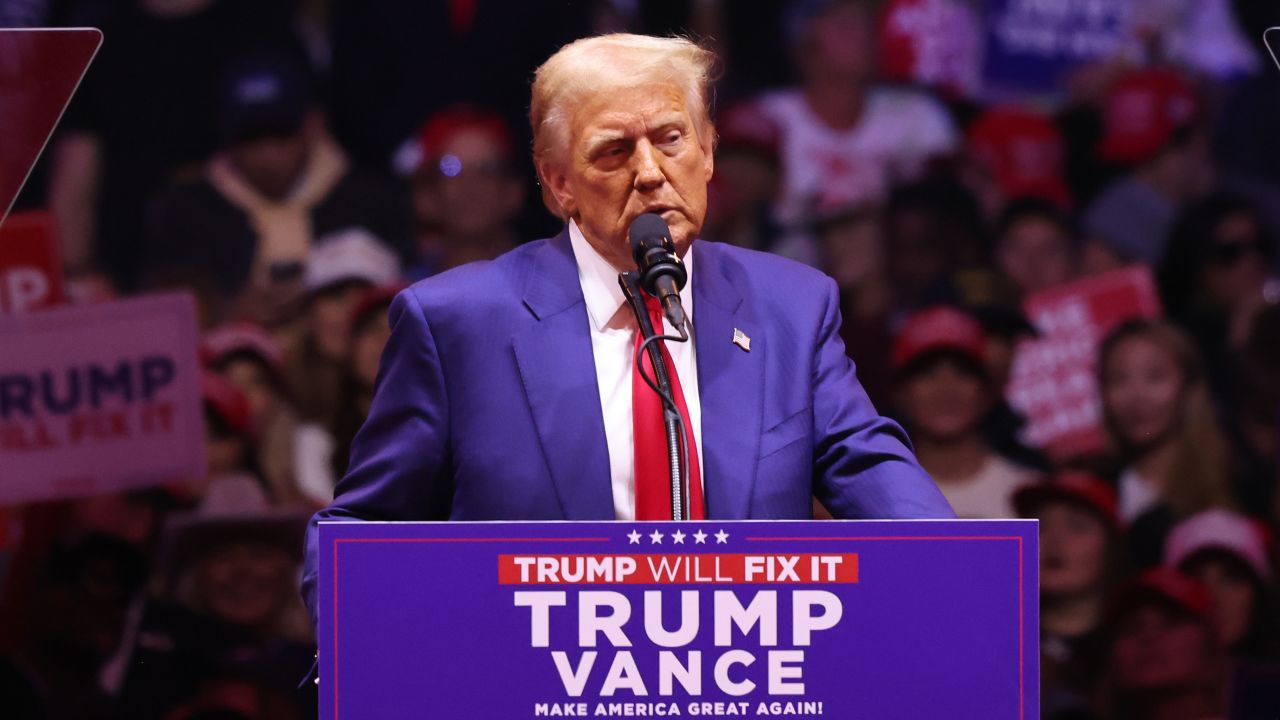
[(613, 329)]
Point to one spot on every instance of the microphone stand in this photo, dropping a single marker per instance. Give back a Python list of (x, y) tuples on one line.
[(675, 432)]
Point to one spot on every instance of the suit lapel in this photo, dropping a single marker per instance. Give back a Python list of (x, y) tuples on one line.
[(730, 386), (558, 370)]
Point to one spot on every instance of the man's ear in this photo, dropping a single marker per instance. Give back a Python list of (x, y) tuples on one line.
[(556, 189)]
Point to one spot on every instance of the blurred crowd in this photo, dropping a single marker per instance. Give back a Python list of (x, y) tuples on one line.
[(295, 163)]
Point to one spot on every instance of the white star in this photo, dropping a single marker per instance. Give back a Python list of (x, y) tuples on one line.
[(700, 537), (677, 537), (634, 537), (655, 537), (722, 537)]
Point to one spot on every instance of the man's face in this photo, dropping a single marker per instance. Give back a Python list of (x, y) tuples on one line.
[(471, 192), (272, 165), (630, 152)]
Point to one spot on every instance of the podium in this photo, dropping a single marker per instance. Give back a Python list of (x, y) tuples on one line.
[(808, 619)]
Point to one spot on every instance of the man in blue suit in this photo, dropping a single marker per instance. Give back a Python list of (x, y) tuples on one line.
[(507, 389)]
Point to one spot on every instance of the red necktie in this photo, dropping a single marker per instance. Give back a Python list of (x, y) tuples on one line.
[(652, 471)]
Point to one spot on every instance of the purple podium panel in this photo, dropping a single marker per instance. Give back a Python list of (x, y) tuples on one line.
[(849, 620)]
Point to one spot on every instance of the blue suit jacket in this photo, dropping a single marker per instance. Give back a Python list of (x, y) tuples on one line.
[(487, 406)]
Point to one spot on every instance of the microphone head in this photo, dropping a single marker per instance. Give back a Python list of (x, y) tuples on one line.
[(655, 253), (647, 232)]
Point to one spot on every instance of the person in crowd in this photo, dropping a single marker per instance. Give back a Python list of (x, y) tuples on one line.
[(144, 116), (1081, 561), (234, 476), (1153, 130), (942, 391), (1013, 153), (1254, 401), (224, 625), (71, 621), (852, 242), (369, 334), (1216, 282), (1164, 431), (323, 452), (1230, 555), (466, 193), (937, 246), (341, 269), (1006, 328), (278, 185), (748, 179), (1036, 246), (844, 139), (1163, 661), (1215, 272), (252, 360)]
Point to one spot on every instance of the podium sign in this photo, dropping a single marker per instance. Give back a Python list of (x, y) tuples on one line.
[(830, 619)]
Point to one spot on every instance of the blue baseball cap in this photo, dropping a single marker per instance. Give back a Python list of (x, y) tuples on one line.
[(265, 94)]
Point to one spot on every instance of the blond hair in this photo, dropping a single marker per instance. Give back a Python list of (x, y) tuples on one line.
[(610, 62), (1201, 476)]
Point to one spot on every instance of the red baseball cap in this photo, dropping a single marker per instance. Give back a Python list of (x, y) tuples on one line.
[(1069, 486), (1167, 585), (374, 298), (939, 328), (1143, 110), (227, 401), (1219, 529), (746, 126), (1023, 150), (439, 129), (241, 337)]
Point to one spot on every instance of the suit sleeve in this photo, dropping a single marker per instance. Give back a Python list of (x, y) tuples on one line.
[(400, 457), (863, 463)]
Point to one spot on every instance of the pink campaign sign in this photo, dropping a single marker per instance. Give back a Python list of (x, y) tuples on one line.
[(1052, 381), (99, 398)]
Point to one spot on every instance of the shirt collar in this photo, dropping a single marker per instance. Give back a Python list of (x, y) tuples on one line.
[(600, 287)]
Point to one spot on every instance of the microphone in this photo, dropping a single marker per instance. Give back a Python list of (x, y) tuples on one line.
[(662, 275)]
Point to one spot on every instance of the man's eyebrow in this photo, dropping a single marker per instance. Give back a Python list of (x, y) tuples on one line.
[(603, 138)]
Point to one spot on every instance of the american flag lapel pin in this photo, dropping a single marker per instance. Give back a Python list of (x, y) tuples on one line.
[(741, 340)]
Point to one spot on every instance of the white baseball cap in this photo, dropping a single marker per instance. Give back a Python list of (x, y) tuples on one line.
[(1219, 529), (350, 254)]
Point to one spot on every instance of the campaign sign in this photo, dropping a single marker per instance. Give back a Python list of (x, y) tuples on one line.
[(99, 398), (1053, 378), (802, 619), (30, 271), (1032, 44)]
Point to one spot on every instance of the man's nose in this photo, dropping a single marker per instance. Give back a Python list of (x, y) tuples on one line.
[(648, 168)]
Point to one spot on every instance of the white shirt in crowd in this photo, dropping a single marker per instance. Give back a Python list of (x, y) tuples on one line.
[(899, 130), (988, 493), (613, 331), (1137, 495)]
